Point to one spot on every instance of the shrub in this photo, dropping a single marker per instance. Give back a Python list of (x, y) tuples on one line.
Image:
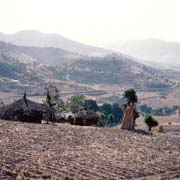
[(150, 121), (102, 119), (110, 118)]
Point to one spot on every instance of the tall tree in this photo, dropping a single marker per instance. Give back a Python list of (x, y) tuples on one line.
[(76, 103), (53, 99)]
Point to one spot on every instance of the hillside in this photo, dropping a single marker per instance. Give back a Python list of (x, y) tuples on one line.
[(153, 51), (32, 68), (32, 151), (119, 70), (112, 69), (96, 76), (38, 39), (46, 55)]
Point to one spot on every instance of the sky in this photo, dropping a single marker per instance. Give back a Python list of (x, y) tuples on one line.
[(94, 21)]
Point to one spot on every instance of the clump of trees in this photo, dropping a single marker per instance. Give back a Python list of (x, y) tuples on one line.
[(76, 103), (106, 120), (113, 113), (109, 114), (90, 104), (150, 121), (102, 119), (10, 67)]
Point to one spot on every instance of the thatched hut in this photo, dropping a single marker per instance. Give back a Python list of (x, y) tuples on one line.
[(25, 110), (84, 118)]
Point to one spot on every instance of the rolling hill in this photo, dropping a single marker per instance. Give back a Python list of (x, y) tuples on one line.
[(111, 69), (38, 39), (46, 55), (153, 51), (114, 69)]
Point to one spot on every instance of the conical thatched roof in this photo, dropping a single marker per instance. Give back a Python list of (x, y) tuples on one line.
[(20, 105), (87, 115)]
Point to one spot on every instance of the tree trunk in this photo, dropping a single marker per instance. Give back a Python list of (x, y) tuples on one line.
[(128, 120)]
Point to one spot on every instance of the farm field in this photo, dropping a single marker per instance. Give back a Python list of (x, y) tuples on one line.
[(40, 151)]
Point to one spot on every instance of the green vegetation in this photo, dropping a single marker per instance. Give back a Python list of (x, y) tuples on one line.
[(53, 99), (150, 121), (11, 70), (111, 113), (11, 67), (110, 118), (130, 95), (114, 70), (113, 109), (102, 120), (91, 105), (76, 103)]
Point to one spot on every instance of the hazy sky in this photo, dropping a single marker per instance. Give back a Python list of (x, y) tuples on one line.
[(94, 20)]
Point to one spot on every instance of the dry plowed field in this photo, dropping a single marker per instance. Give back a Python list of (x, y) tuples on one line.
[(40, 151)]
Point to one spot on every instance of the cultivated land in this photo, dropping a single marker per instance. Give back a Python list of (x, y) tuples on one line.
[(40, 151)]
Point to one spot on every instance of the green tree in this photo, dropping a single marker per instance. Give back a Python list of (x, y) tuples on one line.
[(102, 119), (53, 99), (113, 109), (90, 104), (150, 121), (107, 108), (76, 103), (117, 113), (110, 118), (130, 95)]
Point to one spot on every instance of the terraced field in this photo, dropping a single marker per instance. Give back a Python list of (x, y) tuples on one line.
[(40, 151)]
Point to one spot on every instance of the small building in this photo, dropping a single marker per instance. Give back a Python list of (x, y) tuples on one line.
[(26, 110), (84, 118)]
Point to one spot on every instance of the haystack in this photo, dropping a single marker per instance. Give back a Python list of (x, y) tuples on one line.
[(128, 120)]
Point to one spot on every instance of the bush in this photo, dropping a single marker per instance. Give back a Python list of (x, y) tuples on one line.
[(110, 118), (102, 120), (150, 121), (113, 109), (90, 104)]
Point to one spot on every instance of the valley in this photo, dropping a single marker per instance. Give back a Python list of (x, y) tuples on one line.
[(100, 78), (89, 90)]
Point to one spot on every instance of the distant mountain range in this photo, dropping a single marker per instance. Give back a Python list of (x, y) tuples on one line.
[(37, 39), (46, 55), (55, 63), (153, 51), (41, 46)]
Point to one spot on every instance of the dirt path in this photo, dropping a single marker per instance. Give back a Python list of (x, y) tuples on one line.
[(33, 151)]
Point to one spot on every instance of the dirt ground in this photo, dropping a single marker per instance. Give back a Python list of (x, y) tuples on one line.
[(40, 151)]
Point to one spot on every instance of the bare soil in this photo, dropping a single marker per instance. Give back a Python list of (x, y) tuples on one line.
[(40, 151)]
